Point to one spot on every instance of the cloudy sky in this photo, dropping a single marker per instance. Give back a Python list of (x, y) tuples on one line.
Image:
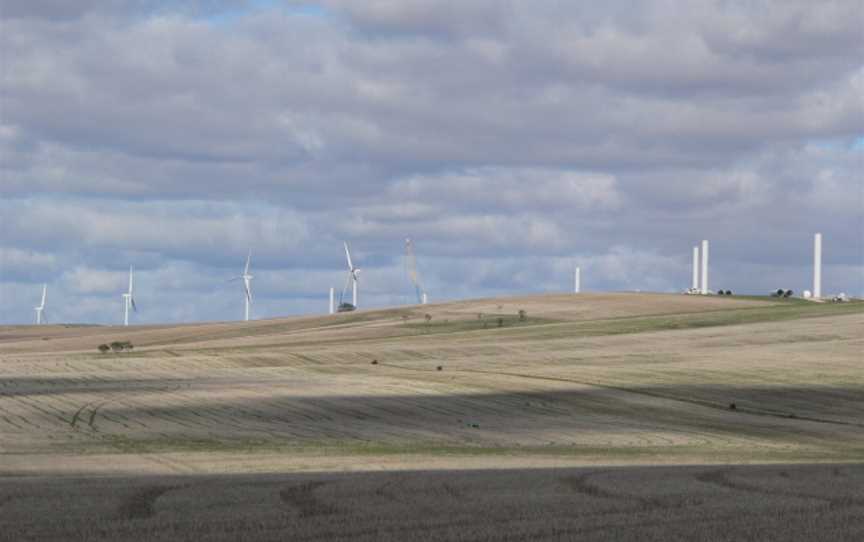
[(511, 140)]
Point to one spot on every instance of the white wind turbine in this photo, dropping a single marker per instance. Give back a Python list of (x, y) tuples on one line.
[(247, 283), (128, 300), (411, 266), (41, 306), (353, 272)]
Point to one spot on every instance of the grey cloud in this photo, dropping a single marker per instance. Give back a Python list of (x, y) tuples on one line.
[(62, 10), (505, 137)]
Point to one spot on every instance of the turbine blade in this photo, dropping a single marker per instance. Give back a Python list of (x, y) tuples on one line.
[(132, 300), (248, 259), (44, 291), (248, 288), (348, 256), (130, 279)]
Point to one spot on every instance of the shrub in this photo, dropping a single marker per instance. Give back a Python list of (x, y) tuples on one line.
[(120, 346), (104, 348), (522, 315), (500, 322)]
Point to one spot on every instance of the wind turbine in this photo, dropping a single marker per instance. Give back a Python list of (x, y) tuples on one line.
[(128, 300), (353, 273), (411, 265), (41, 306), (247, 283)]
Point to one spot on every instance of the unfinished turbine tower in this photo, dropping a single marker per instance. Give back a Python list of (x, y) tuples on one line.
[(128, 301), (247, 285), (704, 290), (695, 285), (817, 266), (577, 280), (332, 300), (411, 268), (41, 306)]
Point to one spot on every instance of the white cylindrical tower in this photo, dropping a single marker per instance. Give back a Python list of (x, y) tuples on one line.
[(817, 265), (704, 267), (424, 298), (577, 281), (695, 285), (354, 292), (332, 300)]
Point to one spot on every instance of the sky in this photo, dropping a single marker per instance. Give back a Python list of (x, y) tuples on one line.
[(510, 140)]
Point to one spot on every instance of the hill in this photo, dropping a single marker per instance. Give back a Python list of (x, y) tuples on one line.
[(543, 418), (606, 377)]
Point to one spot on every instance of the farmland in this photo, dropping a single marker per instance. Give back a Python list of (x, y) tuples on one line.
[(602, 415)]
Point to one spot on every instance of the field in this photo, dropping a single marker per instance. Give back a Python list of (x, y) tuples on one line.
[(598, 416)]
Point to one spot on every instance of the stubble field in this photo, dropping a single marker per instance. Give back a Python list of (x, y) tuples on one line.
[(597, 416)]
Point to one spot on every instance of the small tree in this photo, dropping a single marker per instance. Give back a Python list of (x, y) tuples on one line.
[(104, 348), (117, 346), (500, 322), (522, 315), (127, 346)]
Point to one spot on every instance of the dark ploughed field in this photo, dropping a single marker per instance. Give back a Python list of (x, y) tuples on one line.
[(776, 502)]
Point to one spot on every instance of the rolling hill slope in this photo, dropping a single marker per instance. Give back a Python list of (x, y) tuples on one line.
[(615, 378)]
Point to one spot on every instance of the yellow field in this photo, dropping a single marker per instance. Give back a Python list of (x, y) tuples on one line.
[(611, 378), (594, 417)]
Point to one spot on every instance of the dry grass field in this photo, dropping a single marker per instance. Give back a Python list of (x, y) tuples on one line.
[(598, 416)]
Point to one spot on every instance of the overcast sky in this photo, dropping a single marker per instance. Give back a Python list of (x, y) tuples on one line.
[(511, 140)]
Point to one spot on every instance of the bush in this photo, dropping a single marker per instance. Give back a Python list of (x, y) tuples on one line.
[(120, 346), (500, 322), (523, 315), (104, 348)]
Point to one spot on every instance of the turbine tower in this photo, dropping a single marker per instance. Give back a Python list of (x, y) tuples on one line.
[(704, 267), (332, 301), (411, 267), (817, 266), (577, 280), (695, 285), (128, 300), (41, 306), (247, 284)]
